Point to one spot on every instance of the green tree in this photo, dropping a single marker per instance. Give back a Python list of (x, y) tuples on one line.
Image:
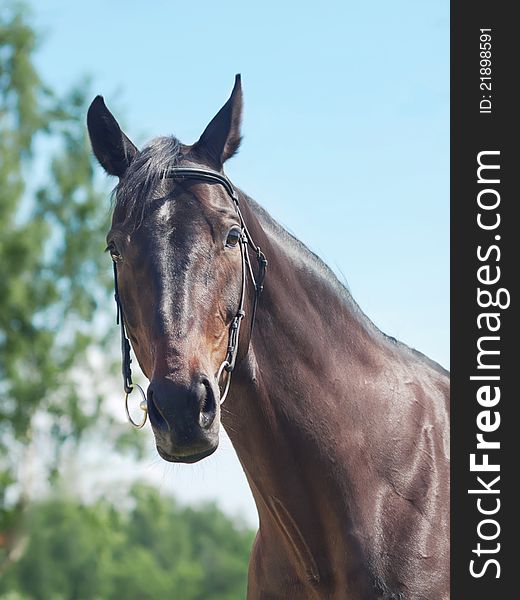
[(153, 550), (53, 274)]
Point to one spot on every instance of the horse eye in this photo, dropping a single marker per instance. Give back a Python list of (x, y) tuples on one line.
[(233, 237), (114, 254)]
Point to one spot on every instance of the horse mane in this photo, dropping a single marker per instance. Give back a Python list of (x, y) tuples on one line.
[(311, 261)]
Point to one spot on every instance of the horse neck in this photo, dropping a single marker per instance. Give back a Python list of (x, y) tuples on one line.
[(308, 335), (294, 404)]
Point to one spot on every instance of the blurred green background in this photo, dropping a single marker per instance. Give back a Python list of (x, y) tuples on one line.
[(131, 542)]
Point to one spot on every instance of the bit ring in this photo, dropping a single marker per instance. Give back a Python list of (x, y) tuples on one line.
[(143, 405), (223, 367)]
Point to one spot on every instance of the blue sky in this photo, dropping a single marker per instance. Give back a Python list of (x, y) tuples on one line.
[(346, 123)]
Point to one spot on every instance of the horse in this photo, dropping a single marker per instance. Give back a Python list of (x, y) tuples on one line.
[(342, 431)]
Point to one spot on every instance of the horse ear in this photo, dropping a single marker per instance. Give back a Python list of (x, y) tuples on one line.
[(112, 148), (221, 138)]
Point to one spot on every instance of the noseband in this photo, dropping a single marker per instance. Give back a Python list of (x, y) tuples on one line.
[(229, 362)]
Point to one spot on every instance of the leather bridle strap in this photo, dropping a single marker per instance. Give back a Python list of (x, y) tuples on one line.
[(246, 240), (125, 344)]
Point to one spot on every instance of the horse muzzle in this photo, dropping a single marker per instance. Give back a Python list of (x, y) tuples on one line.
[(184, 419)]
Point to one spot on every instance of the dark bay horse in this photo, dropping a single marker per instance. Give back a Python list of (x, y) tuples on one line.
[(342, 431)]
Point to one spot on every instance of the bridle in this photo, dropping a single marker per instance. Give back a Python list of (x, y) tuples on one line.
[(245, 241)]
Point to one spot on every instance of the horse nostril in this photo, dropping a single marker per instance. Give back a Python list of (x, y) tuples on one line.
[(208, 405), (156, 417)]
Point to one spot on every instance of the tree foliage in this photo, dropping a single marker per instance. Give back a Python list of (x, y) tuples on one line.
[(155, 549), (53, 219)]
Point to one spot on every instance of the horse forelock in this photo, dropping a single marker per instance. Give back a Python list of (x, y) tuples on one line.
[(144, 177)]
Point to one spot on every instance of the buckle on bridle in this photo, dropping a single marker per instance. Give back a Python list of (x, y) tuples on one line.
[(232, 348)]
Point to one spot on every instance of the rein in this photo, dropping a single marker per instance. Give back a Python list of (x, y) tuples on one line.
[(229, 362)]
